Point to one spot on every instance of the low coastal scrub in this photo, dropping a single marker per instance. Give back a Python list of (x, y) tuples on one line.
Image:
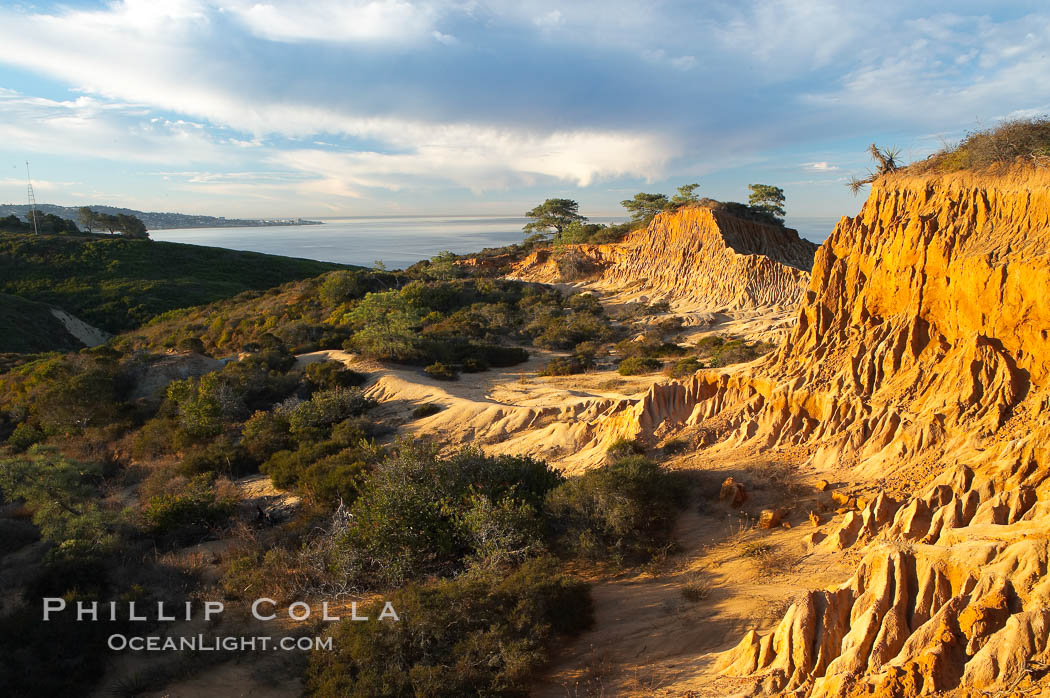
[(466, 324), (563, 366), (425, 410), (117, 283), (418, 514), (638, 365), (719, 351), (483, 633), (624, 511), (1013, 140), (441, 371), (684, 367), (487, 530)]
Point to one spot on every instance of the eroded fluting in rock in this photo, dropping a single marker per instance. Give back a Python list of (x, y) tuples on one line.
[(695, 258), (924, 327), (921, 360)]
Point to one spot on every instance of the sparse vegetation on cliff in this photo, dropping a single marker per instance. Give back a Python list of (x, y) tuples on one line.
[(1026, 140), (1012, 141), (886, 162)]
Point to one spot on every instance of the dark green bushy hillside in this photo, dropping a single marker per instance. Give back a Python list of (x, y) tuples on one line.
[(118, 284), (27, 326)]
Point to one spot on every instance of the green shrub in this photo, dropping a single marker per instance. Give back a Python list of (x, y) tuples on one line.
[(480, 634), (563, 366), (324, 375), (191, 344), (710, 344), (501, 356), (341, 286), (338, 477), (259, 574), (736, 351), (24, 436), (157, 437), (625, 510), (501, 533), (189, 516), (1010, 141), (312, 419), (475, 365), (386, 327), (287, 466), (222, 455), (353, 430), (685, 367), (203, 405), (637, 365), (441, 371), (425, 410), (648, 346), (566, 331), (584, 303), (65, 500), (418, 514), (266, 433), (623, 448)]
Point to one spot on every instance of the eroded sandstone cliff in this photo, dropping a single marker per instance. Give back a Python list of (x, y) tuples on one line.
[(921, 362), (696, 258)]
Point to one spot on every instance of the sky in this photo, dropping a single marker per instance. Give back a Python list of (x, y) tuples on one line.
[(324, 108)]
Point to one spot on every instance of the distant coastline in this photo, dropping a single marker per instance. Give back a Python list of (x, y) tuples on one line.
[(238, 223), (159, 220)]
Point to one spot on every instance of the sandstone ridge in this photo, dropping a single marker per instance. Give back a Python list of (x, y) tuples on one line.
[(696, 258), (920, 365)]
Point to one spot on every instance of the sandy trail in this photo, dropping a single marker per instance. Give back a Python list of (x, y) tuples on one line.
[(648, 639)]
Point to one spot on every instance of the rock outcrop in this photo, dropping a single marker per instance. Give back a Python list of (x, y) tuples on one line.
[(696, 258), (924, 331), (920, 362)]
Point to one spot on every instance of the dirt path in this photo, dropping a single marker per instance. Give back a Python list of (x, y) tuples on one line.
[(650, 639)]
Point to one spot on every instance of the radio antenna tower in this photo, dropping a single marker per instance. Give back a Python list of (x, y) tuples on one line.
[(32, 199)]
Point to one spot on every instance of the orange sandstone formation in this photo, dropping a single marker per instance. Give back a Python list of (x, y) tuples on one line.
[(921, 360), (695, 258)]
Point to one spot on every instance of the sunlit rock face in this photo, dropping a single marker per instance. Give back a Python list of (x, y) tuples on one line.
[(921, 361), (695, 258)]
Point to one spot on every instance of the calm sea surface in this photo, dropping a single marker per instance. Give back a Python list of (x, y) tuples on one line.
[(397, 242)]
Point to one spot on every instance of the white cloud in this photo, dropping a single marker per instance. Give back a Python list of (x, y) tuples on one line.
[(484, 160), (793, 36), (18, 183), (336, 20), (921, 79), (683, 63), (170, 74), (446, 39), (86, 126), (548, 20), (212, 84), (822, 166)]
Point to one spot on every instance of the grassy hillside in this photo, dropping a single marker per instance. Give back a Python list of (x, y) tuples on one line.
[(118, 284), (27, 326)]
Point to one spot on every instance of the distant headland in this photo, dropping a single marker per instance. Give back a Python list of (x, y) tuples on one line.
[(158, 220)]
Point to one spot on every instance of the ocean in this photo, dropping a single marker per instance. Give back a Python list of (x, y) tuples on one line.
[(397, 242)]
